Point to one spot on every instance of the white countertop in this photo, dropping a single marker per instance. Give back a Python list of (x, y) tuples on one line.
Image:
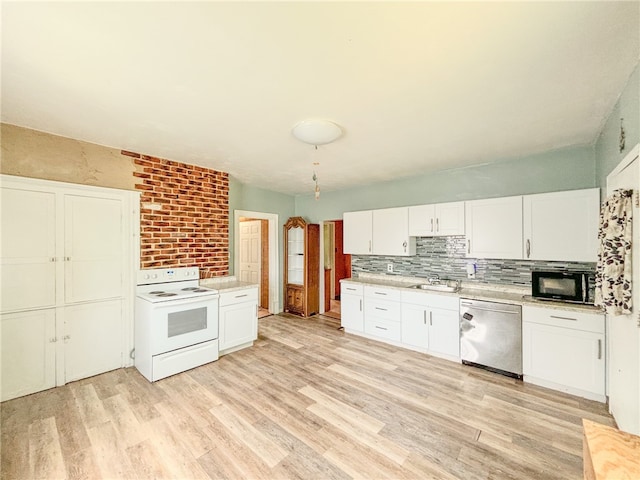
[(226, 284), (490, 292)]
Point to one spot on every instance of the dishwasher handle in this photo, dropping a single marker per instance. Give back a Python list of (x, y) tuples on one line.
[(493, 310)]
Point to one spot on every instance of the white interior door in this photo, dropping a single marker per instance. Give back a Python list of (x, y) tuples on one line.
[(94, 248), (28, 249), (624, 330), (250, 251)]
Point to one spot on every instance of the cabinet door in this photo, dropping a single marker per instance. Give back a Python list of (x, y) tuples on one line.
[(414, 325), (564, 356), (444, 332), (295, 299), (357, 232), (351, 312), (494, 228), (422, 220), (449, 219), (562, 225), (28, 249), (28, 352), (238, 324), (92, 339), (94, 246), (391, 232)]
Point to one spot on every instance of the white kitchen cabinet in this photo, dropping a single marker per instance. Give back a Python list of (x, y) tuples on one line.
[(28, 238), (92, 338), (562, 225), (494, 228), (28, 352), (69, 248), (564, 350), (238, 317), (430, 322), (382, 313), (357, 232), (391, 232), (351, 307), (436, 220)]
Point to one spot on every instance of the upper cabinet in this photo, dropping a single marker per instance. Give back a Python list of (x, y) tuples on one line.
[(494, 228), (437, 220), (391, 232), (561, 225), (378, 232), (357, 232)]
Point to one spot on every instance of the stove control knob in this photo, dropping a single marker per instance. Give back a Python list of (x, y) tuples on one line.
[(155, 275), (146, 276)]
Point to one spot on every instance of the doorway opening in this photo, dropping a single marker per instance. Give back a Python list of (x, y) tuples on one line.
[(256, 256), (337, 265)]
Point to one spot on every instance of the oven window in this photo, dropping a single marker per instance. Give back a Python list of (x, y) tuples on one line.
[(187, 321)]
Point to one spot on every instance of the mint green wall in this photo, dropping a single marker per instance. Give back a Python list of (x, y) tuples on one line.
[(606, 149), (563, 169), (246, 197)]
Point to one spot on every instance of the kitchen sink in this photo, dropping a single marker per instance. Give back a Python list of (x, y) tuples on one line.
[(443, 286)]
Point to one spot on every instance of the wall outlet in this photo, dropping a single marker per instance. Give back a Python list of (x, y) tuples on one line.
[(390, 267), (471, 270)]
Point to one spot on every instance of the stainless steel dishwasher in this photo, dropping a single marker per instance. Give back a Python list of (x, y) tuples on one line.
[(491, 336)]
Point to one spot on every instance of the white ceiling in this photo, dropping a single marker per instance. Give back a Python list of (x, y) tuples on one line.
[(416, 87)]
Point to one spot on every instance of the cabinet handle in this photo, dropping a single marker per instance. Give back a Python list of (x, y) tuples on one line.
[(528, 248), (379, 293), (52, 259), (424, 317), (404, 245), (430, 318), (599, 349), (432, 225), (53, 340), (564, 318), (381, 328), (243, 295), (369, 246), (469, 246), (350, 289), (67, 259), (437, 224), (360, 305), (380, 308)]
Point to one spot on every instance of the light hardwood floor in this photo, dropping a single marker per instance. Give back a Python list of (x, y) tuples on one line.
[(307, 401)]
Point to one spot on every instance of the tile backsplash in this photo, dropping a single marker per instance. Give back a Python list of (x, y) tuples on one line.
[(446, 257)]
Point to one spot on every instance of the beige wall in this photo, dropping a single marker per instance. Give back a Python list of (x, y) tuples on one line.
[(29, 153)]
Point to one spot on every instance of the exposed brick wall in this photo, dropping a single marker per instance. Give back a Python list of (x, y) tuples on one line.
[(184, 215)]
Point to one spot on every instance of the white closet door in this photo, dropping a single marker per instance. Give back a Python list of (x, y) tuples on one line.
[(93, 248), (28, 249), (92, 339), (28, 352)]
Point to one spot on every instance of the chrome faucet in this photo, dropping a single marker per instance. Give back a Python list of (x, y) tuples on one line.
[(434, 280)]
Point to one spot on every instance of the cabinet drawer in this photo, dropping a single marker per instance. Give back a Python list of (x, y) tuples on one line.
[(351, 288), (382, 309), (588, 322), (239, 296), (382, 328), (382, 293)]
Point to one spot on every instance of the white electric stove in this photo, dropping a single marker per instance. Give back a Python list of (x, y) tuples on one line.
[(176, 322)]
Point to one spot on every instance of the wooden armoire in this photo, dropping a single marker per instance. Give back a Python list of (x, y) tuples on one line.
[(301, 267)]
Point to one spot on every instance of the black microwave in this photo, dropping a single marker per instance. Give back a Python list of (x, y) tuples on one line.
[(563, 286)]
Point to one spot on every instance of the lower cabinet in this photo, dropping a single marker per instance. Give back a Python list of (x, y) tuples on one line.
[(430, 322), (564, 350), (45, 348), (382, 313), (352, 307), (28, 352), (238, 317), (295, 299)]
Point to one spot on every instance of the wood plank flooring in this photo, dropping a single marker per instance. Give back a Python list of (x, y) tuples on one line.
[(307, 401)]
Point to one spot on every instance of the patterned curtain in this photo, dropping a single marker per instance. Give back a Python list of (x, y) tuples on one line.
[(613, 270)]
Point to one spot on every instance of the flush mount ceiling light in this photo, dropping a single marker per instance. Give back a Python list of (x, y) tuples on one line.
[(316, 131)]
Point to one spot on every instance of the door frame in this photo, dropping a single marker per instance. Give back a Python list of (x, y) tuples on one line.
[(274, 283)]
